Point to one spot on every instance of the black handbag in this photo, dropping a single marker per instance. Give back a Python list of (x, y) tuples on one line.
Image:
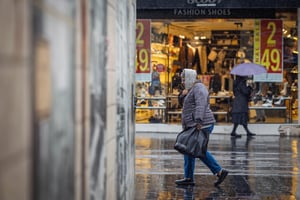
[(192, 142)]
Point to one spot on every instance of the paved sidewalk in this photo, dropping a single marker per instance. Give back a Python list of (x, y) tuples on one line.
[(266, 167)]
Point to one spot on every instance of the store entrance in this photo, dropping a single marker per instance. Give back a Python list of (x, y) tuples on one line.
[(213, 47)]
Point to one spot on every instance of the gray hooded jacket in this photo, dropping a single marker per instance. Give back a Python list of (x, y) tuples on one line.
[(196, 108)]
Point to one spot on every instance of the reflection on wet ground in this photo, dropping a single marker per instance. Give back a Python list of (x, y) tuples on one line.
[(266, 167)]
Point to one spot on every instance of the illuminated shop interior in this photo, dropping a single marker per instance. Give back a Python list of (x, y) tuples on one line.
[(213, 47)]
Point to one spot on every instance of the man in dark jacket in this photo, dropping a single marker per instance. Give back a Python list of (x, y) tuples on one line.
[(176, 80), (196, 113)]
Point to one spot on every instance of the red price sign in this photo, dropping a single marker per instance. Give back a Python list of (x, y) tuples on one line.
[(271, 45), (143, 47)]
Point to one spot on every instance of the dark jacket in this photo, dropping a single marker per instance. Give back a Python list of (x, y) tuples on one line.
[(242, 94), (196, 107)]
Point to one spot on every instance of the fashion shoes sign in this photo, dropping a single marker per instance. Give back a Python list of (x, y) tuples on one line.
[(201, 3)]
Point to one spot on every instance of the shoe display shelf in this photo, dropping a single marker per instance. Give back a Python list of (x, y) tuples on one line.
[(151, 106), (220, 105), (281, 104)]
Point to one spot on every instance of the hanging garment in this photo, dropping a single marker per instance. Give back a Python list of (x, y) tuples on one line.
[(212, 55), (182, 58), (197, 62), (216, 83), (186, 56), (203, 58)]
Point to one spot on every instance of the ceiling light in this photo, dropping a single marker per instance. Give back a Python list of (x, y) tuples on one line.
[(284, 31)]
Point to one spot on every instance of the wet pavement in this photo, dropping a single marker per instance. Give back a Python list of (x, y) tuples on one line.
[(266, 167)]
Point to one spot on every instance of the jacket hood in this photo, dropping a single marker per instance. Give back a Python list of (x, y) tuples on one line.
[(190, 76)]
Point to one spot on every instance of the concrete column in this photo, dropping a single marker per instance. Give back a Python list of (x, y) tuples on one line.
[(120, 81), (15, 103), (112, 64), (67, 117), (54, 52)]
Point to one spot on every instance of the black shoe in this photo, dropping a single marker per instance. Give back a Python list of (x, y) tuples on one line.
[(221, 178), (236, 135), (185, 181), (251, 134)]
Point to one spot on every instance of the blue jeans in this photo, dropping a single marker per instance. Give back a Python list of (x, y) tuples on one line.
[(209, 161)]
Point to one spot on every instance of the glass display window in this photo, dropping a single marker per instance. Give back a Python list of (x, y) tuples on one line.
[(213, 47)]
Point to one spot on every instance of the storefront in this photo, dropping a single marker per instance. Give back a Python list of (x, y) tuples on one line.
[(213, 36)]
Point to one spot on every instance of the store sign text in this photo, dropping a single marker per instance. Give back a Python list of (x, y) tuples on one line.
[(201, 12), (143, 47), (200, 3), (268, 47), (271, 45)]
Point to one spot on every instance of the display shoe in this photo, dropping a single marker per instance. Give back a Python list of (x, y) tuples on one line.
[(267, 104), (185, 181), (221, 177), (249, 134), (279, 102), (269, 101), (234, 135)]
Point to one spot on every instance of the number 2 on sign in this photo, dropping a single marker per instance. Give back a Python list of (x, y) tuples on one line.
[(271, 41), (142, 53), (271, 56), (140, 28)]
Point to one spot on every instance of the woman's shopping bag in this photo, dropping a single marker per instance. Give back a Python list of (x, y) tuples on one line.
[(192, 142)]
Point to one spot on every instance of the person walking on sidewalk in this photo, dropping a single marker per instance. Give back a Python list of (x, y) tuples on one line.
[(197, 113), (240, 107)]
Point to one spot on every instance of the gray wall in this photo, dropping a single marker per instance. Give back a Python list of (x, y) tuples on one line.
[(67, 120), (54, 25), (98, 90), (16, 100), (112, 137)]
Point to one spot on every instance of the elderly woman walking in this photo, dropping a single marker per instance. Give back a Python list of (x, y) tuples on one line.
[(197, 113)]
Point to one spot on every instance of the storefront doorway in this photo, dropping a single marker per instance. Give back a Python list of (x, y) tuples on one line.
[(213, 46)]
